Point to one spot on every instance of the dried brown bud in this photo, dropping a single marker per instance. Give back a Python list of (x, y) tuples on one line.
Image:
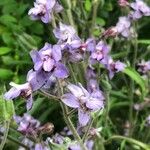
[(110, 32), (47, 128)]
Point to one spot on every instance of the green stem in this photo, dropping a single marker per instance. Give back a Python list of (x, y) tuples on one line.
[(132, 87), (69, 122), (15, 141), (69, 13), (6, 126), (130, 140), (87, 131), (95, 7)]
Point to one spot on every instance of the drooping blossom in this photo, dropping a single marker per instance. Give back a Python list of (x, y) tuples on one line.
[(67, 36), (144, 67), (123, 26), (27, 124), (44, 10), (84, 101), (100, 52), (48, 59), (35, 80), (114, 67), (139, 9)]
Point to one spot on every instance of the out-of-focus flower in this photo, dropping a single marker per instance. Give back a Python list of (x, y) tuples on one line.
[(27, 124), (44, 9), (67, 36), (84, 101), (41, 146), (123, 3), (48, 59), (114, 67), (148, 121), (88, 143), (139, 9), (144, 67), (123, 26), (100, 52)]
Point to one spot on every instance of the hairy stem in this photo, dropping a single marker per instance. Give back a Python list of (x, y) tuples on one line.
[(95, 7), (132, 87), (69, 13)]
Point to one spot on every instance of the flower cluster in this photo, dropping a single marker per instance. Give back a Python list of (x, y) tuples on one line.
[(138, 9), (44, 10)]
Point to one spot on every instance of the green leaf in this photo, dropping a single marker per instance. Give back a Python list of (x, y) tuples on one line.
[(4, 50), (7, 38), (5, 74), (134, 75), (6, 109), (146, 42), (100, 21), (88, 5), (7, 19)]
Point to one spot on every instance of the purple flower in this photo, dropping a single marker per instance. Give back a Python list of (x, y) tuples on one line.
[(44, 9), (100, 52), (139, 9), (67, 36), (88, 143), (48, 59), (114, 67), (35, 80), (144, 67), (39, 146), (85, 102), (123, 26), (23, 90), (27, 124)]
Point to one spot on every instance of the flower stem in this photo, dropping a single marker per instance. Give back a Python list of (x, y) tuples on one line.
[(15, 141), (132, 87), (69, 122), (87, 131), (95, 7), (130, 140), (69, 13)]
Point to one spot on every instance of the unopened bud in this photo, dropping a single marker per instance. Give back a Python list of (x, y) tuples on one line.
[(123, 3)]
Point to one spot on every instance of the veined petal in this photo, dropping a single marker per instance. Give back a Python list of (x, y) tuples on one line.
[(94, 104), (70, 100), (48, 65), (61, 71), (12, 93), (56, 52), (75, 90), (84, 117)]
